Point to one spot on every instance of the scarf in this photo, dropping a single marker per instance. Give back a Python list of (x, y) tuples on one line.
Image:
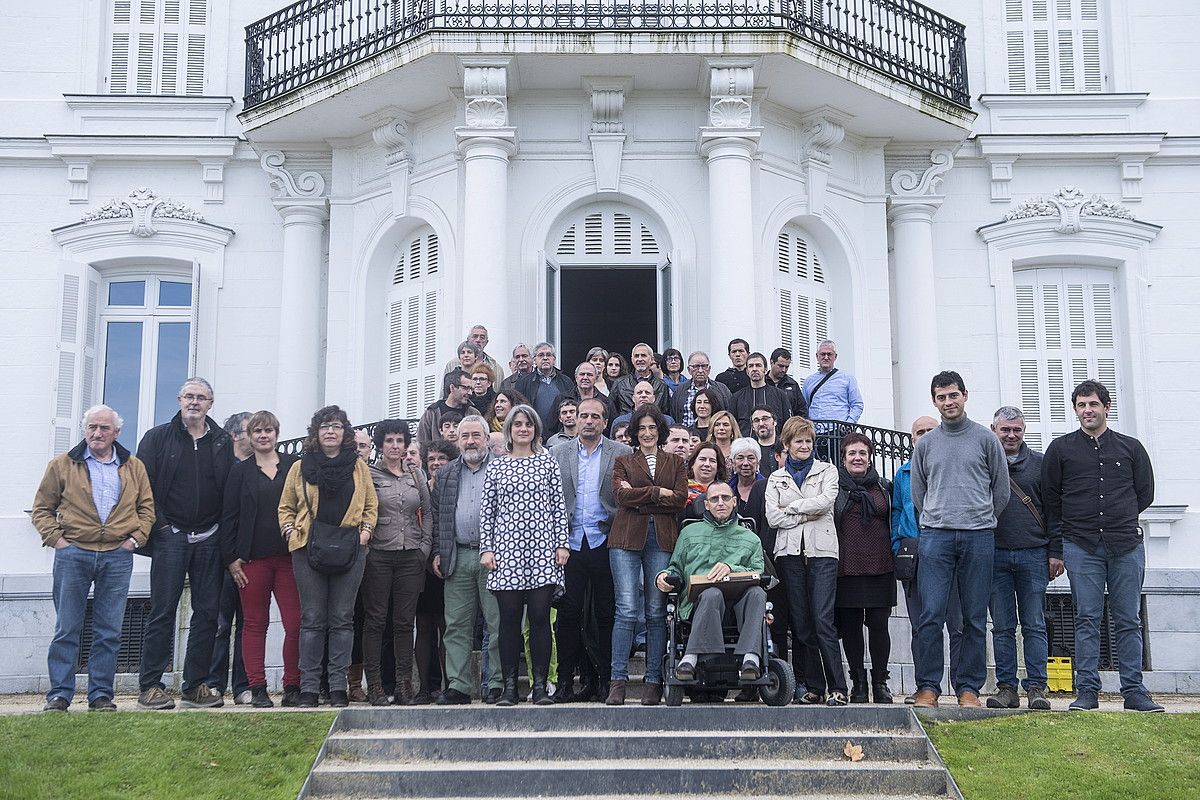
[(695, 489), (798, 469), (859, 489), (329, 474)]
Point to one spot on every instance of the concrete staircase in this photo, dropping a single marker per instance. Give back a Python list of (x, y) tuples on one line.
[(598, 751)]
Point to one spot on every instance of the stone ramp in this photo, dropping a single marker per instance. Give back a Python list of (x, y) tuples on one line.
[(578, 751)]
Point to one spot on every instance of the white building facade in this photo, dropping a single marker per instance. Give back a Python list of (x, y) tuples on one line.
[(325, 226)]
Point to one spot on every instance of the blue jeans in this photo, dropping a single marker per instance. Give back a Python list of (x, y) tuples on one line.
[(175, 559), (1088, 573), (1019, 580), (953, 627), (811, 585), (631, 569), (75, 570), (943, 555)]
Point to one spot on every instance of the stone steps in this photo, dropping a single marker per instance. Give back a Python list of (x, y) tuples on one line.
[(722, 750)]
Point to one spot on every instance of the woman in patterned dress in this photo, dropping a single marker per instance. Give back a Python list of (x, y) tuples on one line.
[(523, 543)]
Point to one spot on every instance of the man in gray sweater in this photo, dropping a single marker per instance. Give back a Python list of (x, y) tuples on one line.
[(959, 487)]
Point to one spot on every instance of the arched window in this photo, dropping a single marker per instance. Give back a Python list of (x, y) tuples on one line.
[(804, 299), (414, 378), (1065, 335)]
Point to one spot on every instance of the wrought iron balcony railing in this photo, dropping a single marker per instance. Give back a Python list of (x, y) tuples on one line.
[(312, 39)]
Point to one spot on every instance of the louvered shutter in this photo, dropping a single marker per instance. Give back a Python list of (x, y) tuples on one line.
[(157, 47), (75, 379), (803, 297), (412, 327), (1054, 45), (1065, 335)]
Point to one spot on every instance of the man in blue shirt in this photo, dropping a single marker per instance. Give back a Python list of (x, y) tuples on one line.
[(586, 464), (831, 395)]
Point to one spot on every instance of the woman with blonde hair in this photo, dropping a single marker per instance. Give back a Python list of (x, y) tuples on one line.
[(723, 429)]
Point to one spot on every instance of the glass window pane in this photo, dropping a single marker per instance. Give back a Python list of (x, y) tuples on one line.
[(123, 376), (172, 370), (127, 293), (174, 293)]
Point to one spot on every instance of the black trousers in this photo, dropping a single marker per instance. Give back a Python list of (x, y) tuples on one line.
[(587, 569)]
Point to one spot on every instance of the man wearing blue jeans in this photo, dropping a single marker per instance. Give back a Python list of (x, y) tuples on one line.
[(93, 506), (959, 487), (1095, 483), (1026, 558)]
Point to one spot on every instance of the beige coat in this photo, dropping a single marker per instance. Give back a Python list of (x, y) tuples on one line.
[(803, 517), (363, 510)]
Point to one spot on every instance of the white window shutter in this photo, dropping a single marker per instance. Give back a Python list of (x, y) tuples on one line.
[(787, 321), (413, 375), (1054, 45), (155, 47), (66, 395), (804, 300)]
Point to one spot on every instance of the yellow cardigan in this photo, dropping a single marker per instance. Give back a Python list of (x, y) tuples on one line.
[(293, 511)]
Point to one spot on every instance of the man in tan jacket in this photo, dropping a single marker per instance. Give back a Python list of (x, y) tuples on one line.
[(93, 506)]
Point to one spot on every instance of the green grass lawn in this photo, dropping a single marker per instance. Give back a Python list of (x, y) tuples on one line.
[(1064, 756), (159, 755)]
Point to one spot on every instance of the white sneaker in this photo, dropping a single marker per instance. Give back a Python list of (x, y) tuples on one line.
[(243, 698)]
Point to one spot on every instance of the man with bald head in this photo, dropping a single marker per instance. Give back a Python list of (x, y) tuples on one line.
[(643, 395), (93, 506), (904, 525), (642, 361)]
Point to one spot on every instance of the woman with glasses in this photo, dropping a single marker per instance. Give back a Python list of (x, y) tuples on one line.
[(332, 485), (672, 369)]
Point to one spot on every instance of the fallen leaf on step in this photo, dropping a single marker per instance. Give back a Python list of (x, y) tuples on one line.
[(853, 751)]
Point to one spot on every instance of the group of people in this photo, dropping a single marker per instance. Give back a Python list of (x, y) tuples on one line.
[(558, 511)]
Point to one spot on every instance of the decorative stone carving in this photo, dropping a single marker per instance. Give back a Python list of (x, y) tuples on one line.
[(608, 106), (1069, 204), (393, 137), (908, 183), (307, 185), (731, 88), (1133, 169), (1001, 177), (821, 135), (78, 175), (485, 89), (143, 206)]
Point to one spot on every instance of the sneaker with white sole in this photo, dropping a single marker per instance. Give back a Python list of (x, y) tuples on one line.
[(1140, 701), (1086, 700)]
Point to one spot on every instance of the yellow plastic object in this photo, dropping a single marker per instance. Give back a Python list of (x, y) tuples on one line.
[(1058, 675)]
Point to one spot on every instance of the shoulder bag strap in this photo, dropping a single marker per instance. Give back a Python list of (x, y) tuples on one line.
[(1027, 500), (817, 388)]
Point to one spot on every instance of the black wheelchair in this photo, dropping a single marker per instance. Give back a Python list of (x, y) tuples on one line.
[(721, 672)]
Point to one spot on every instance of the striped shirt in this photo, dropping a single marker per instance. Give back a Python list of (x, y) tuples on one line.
[(106, 482)]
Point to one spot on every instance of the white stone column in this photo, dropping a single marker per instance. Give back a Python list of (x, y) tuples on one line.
[(910, 210), (729, 145), (304, 208), (485, 143)]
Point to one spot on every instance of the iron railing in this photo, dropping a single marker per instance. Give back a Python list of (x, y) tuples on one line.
[(312, 39), (892, 448)]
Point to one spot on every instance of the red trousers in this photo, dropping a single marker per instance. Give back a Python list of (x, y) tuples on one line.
[(267, 576)]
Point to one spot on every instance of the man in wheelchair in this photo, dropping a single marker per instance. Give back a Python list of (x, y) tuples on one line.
[(714, 547)]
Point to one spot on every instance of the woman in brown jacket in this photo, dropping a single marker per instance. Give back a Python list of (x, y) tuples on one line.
[(650, 487)]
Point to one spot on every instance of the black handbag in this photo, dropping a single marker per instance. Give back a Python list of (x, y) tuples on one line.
[(331, 549), (906, 559)]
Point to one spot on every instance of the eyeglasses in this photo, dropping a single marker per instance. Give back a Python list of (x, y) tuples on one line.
[(331, 426), (721, 498), (698, 366), (195, 398), (466, 387)]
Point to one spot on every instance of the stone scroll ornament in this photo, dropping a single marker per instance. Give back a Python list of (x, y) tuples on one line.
[(910, 183), (306, 184), (1070, 205), (143, 206)]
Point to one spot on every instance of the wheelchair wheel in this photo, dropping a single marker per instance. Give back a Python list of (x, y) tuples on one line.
[(783, 683), (674, 695)]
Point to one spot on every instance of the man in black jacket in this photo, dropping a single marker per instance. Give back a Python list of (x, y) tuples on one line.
[(545, 385), (735, 378), (620, 395), (777, 376), (758, 393), (187, 461), (1095, 483), (1026, 558)]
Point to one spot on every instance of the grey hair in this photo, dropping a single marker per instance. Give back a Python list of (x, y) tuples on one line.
[(744, 445), (545, 345), (480, 327), (530, 414), (476, 419), (236, 421), (1007, 412), (518, 346), (101, 409), (829, 342), (698, 353), (469, 345), (198, 381), (597, 351)]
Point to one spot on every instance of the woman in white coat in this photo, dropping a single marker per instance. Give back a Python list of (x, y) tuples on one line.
[(799, 501)]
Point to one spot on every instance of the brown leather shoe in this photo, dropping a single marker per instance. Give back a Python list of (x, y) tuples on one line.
[(616, 694), (926, 698), (969, 699), (652, 694), (354, 678)]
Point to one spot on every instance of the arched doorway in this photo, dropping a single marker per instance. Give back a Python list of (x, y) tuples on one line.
[(608, 283)]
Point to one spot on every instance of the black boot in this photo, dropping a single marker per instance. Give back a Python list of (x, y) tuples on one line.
[(879, 686), (540, 696), (508, 696), (858, 685)]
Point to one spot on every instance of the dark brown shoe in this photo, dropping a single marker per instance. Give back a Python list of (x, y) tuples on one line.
[(376, 697), (926, 698), (404, 693), (969, 699), (652, 694), (616, 694)]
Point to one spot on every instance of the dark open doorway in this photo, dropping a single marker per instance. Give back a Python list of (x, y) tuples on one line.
[(612, 308)]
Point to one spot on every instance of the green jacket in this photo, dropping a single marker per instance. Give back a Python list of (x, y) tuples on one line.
[(704, 544)]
